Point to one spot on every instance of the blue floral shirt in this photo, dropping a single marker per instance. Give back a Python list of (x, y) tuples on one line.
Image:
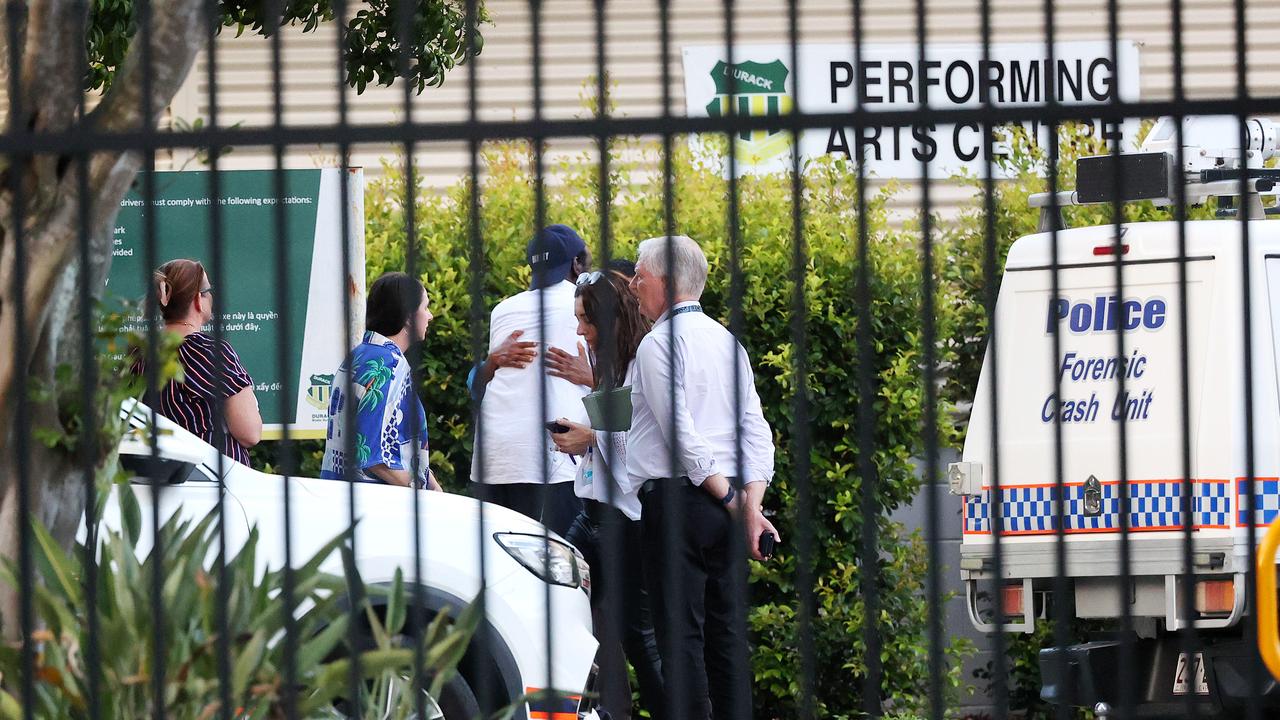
[(390, 423)]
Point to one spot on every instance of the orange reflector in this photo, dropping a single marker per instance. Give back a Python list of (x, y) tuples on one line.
[(1011, 600), (1215, 596)]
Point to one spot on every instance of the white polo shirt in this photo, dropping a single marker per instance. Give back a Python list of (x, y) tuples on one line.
[(707, 418), (516, 442)]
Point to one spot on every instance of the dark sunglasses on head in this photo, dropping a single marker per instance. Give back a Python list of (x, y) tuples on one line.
[(590, 278)]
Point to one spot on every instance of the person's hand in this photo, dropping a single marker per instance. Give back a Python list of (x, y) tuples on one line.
[(754, 523), (574, 368), (575, 440), (513, 353), (432, 483)]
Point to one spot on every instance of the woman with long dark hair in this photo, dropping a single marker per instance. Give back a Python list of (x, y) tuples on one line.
[(389, 444), (607, 531)]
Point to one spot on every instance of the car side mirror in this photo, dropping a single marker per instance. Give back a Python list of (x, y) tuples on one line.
[(157, 470)]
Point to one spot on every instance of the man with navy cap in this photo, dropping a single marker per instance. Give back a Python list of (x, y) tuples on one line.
[(515, 463)]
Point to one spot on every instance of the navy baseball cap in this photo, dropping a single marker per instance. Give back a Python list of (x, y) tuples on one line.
[(550, 254)]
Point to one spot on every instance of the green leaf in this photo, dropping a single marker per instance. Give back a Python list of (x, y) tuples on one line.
[(9, 707), (247, 663), (315, 650), (333, 676), (130, 513), (60, 565), (396, 605)]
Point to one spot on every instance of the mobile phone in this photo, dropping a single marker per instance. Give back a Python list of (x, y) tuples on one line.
[(766, 544), (557, 427)]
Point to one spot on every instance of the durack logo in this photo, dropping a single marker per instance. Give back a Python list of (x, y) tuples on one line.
[(318, 392), (758, 90)]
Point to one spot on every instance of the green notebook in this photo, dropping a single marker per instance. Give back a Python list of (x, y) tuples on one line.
[(609, 411)]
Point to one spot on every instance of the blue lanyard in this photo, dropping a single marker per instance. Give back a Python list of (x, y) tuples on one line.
[(686, 309)]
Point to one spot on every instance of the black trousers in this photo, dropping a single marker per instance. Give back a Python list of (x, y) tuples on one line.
[(552, 504), (610, 543), (694, 576)]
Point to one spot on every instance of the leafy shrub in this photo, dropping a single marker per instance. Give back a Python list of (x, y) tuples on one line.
[(700, 204), (255, 620)]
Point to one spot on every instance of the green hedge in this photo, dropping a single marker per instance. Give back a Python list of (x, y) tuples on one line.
[(442, 230)]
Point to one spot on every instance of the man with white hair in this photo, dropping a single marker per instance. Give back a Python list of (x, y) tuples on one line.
[(688, 422)]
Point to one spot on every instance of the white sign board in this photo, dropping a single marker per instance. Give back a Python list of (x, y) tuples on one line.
[(890, 77)]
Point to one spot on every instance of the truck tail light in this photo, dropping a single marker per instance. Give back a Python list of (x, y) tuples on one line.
[(1011, 600), (1110, 249), (1215, 597)]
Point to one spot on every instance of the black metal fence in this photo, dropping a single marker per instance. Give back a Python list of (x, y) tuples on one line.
[(68, 166)]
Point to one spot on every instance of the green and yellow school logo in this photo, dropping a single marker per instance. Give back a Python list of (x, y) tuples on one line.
[(318, 392), (759, 90)]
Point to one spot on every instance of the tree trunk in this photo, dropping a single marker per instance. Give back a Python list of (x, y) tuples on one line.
[(40, 211)]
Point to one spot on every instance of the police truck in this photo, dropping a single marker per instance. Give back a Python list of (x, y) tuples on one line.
[(1136, 409)]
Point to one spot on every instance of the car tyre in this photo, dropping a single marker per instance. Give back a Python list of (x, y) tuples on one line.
[(457, 700)]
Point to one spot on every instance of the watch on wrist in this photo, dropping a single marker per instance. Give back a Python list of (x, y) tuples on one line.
[(728, 497)]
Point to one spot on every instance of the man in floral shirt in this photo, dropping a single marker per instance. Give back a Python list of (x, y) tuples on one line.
[(375, 384)]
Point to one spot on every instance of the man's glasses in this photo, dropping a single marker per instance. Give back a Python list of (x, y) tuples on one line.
[(207, 291), (590, 278)]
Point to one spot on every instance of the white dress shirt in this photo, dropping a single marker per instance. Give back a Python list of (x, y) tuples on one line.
[(606, 465), (516, 441), (702, 353)]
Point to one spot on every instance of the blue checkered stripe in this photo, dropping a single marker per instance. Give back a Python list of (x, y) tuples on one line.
[(977, 513), (1266, 504), (1153, 505), (1213, 503)]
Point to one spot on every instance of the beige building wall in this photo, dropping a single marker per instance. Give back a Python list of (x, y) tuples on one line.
[(505, 79)]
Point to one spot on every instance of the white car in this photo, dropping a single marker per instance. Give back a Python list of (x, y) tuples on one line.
[(520, 657)]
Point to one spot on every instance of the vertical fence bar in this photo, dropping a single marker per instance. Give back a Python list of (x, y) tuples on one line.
[(222, 646), (933, 579), (288, 385), (1254, 672), (544, 400), (612, 612), (1062, 588), (737, 540), (868, 556), (1127, 695), (1191, 642), (354, 640), (404, 18), (16, 16), (801, 408), (991, 284), (88, 440), (479, 341), (147, 133), (674, 671)]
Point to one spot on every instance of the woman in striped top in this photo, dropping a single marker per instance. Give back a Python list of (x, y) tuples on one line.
[(212, 373)]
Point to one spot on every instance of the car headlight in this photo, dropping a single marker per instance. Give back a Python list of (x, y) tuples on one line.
[(551, 560)]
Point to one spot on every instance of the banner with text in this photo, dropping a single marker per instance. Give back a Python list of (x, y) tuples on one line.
[(760, 82), (253, 321)]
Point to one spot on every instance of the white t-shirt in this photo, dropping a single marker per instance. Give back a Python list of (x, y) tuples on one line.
[(515, 439)]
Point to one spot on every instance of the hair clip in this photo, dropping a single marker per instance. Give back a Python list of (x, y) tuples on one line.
[(162, 293)]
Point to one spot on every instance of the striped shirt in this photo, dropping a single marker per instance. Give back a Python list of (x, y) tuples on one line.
[(190, 402)]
